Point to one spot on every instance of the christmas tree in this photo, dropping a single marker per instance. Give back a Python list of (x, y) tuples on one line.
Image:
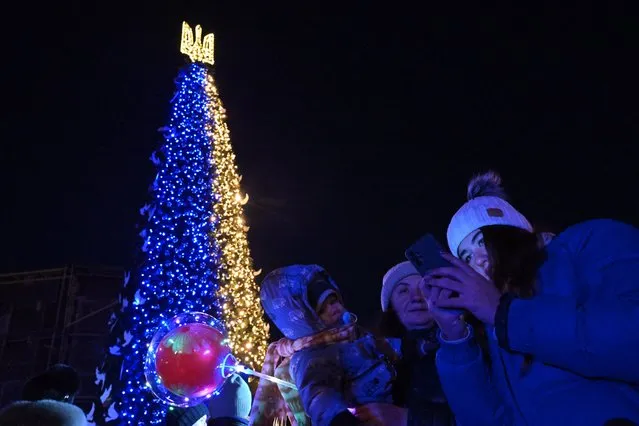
[(195, 253)]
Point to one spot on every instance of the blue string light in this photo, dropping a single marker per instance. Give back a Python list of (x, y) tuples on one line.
[(178, 272)]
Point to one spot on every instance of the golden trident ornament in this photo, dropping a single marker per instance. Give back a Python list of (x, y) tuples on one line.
[(194, 47)]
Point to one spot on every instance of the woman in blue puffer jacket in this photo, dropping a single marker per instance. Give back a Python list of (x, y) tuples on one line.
[(556, 340)]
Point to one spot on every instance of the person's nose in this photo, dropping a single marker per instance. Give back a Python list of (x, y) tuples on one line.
[(417, 294), (480, 259), (424, 287)]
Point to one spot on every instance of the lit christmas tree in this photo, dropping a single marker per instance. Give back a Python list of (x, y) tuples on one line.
[(195, 254)]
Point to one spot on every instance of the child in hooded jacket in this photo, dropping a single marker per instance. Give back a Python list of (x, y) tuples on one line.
[(337, 365)]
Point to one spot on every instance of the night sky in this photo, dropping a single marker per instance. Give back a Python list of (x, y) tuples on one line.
[(356, 129)]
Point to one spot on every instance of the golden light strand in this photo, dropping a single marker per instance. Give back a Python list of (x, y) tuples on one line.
[(238, 291)]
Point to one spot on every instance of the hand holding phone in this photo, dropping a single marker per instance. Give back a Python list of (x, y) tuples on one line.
[(451, 322), (425, 255)]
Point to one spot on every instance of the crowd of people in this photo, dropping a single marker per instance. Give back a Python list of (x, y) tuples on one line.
[(519, 328), (48, 400)]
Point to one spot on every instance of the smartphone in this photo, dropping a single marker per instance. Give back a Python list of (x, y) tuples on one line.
[(425, 255)]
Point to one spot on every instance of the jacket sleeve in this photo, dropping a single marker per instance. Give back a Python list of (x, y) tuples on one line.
[(593, 333), (319, 379), (466, 382)]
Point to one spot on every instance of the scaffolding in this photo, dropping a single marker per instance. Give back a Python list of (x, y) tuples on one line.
[(55, 316)]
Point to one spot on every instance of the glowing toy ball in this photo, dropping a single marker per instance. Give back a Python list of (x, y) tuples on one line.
[(187, 359)]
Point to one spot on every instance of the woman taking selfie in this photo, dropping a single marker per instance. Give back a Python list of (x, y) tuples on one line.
[(556, 339)]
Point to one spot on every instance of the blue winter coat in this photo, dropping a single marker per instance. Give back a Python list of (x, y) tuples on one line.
[(330, 378), (582, 330)]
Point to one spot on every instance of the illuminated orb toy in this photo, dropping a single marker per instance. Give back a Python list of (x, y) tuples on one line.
[(188, 359)]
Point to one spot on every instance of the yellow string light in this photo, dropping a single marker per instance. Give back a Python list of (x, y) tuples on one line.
[(238, 292)]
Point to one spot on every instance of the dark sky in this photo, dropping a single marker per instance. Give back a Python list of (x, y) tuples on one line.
[(356, 129)]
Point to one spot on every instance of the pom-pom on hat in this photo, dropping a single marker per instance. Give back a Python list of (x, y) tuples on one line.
[(486, 206)]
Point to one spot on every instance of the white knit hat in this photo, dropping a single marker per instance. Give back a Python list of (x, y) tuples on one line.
[(486, 206), (393, 277)]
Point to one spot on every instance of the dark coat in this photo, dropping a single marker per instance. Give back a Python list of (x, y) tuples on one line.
[(418, 387)]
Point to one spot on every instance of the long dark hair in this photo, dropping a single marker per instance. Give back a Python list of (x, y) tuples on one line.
[(515, 257)]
